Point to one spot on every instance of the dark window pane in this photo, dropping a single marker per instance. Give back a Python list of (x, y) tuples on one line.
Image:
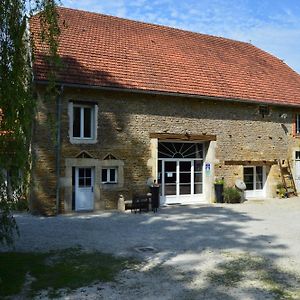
[(87, 122), (190, 151), (170, 177), (198, 177), (185, 177), (185, 166), (112, 175), (199, 151), (249, 178), (76, 121), (81, 172), (248, 171), (197, 188), (88, 172), (185, 189), (81, 182), (198, 165), (165, 150), (297, 155), (170, 189), (170, 166), (104, 175), (259, 178), (249, 186), (88, 181)]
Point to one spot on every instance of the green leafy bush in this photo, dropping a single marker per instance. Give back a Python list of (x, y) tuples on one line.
[(231, 195), (219, 181)]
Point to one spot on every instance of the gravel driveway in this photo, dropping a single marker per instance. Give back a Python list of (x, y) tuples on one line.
[(179, 246)]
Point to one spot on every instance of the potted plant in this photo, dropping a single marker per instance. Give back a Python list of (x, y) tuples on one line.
[(281, 191), (219, 188)]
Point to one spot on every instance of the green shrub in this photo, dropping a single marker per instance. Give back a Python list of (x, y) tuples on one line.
[(219, 181), (231, 195)]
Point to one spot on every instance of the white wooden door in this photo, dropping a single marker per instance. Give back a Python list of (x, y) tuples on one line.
[(84, 188)]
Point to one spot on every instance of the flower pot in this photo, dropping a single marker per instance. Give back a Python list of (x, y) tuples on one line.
[(219, 188)]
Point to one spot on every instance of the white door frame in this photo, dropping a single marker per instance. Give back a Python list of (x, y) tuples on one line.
[(257, 193), (85, 191), (189, 198)]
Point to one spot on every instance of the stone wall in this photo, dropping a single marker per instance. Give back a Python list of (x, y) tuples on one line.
[(125, 121)]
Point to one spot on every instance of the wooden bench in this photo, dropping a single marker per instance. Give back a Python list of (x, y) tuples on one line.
[(139, 203)]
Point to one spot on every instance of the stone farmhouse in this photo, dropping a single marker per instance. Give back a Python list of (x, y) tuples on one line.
[(140, 102)]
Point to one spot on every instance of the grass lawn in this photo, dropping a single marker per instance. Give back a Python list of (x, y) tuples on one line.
[(68, 269)]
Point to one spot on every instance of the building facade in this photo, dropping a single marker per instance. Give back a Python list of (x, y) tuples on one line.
[(112, 143), (115, 137)]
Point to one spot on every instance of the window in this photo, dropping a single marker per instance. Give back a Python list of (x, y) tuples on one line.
[(264, 110), (83, 122), (254, 178), (297, 125), (180, 150), (109, 175)]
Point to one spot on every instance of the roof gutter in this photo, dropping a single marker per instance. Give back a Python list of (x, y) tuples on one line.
[(163, 93)]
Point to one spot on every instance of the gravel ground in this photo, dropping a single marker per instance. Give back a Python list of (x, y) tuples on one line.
[(184, 246)]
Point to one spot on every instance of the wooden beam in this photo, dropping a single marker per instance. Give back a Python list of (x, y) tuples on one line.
[(250, 162), (183, 137)]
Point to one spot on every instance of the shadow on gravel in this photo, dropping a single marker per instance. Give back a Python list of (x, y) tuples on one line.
[(172, 230), (172, 233), (258, 277)]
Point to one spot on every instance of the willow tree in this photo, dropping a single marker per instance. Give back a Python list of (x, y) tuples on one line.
[(17, 102)]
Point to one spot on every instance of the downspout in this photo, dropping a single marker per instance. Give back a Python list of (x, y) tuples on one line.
[(58, 145)]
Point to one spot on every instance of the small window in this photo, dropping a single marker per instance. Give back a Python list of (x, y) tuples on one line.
[(264, 110), (109, 175), (83, 121), (297, 125)]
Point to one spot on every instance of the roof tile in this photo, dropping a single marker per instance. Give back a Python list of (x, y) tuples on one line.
[(107, 51)]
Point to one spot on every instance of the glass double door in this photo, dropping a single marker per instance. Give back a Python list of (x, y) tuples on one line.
[(181, 180)]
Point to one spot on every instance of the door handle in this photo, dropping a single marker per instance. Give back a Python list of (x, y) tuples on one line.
[(92, 189)]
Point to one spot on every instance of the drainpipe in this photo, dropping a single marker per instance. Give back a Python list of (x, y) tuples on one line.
[(58, 145)]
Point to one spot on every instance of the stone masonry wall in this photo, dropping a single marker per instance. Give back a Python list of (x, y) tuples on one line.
[(125, 121)]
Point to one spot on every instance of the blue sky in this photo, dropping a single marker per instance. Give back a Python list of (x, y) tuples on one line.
[(273, 25)]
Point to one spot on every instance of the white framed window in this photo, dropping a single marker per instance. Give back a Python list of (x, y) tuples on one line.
[(255, 180), (297, 124), (83, 122), (109, 175)]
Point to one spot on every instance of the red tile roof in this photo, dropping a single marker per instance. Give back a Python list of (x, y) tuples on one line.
[(106, 51)]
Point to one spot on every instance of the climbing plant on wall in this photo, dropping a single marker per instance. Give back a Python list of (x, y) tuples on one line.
[(17, 102)]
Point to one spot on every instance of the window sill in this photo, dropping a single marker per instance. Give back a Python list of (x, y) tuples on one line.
[(83, 141), (111, 187)]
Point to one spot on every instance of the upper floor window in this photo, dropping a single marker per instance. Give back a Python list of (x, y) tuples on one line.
[(83, 122)]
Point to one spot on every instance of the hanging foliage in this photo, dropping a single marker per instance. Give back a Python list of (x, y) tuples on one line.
[(17, 103)]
